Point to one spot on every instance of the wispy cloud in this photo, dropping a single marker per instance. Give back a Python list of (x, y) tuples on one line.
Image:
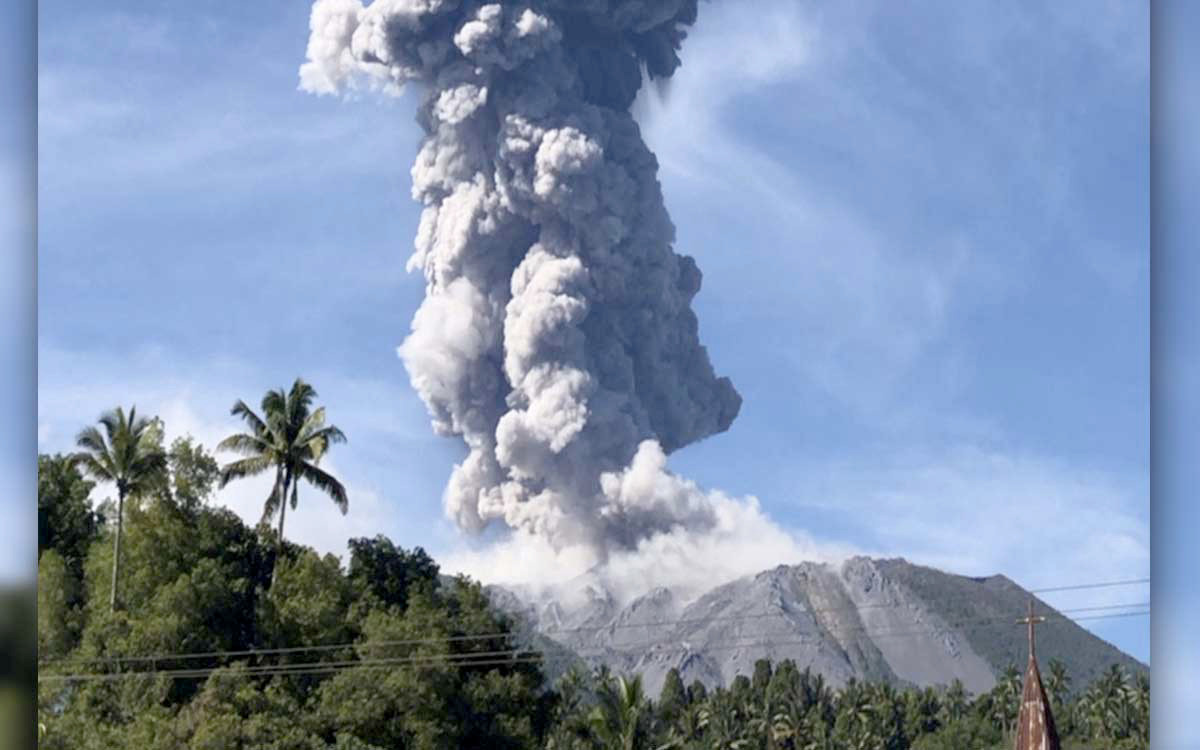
[(92, 133), (981, 510), (144, 105)]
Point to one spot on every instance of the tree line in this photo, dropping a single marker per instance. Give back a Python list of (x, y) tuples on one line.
[(783, 707), (229, 636), (290, 438)]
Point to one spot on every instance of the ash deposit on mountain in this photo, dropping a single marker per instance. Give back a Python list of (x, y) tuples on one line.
[(556, 337), (866, 619)]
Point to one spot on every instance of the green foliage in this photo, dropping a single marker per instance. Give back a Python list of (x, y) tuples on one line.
[(128, 453), (388, 573), (622, 717), (194, 474), (796, 710), (66, 522), (960, 734), (762, 675), (236, 711), (308, 603), (672, 699), (431, 696), (59, 596), (210, 653), (197, 581), (291, 438)]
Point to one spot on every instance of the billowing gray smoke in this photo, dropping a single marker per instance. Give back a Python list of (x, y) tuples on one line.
[(556, 336)]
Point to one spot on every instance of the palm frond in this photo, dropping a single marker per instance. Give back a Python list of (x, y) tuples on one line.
[(90, 439), (114, 423), (331, 434), (325, 482), (274, 404), (95, 466), (245, 467), (301, 396), (316, 444), (147, 462), (246, 445), (298, 406), (241, 409), (313, 421), (138, 426)]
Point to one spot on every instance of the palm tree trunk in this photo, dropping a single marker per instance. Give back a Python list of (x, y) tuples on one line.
[(112, 602), (279, 537)]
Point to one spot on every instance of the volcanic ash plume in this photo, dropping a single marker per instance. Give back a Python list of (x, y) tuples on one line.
[(556, 336)]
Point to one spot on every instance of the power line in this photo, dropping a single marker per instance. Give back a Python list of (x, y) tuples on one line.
[(514, 656), (547, 632), (308, 668), (282, 650), (1075, 587), (518, 656)]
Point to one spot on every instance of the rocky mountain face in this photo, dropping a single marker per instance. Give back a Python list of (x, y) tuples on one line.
[(867, 619)]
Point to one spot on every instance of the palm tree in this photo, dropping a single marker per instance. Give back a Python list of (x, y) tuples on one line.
[(1139, 695), (290, 437), (724, 722), (1058, 685), (1008, 698), (621, 720), (570, 727), (955, 703), (689, 726), (856, 716), (1111, 704), (760, 710), (127, 453)]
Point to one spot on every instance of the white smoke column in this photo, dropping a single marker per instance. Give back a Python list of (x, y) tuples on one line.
[(556, 336)]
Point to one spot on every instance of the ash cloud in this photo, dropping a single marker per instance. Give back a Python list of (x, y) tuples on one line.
[(556, 337)]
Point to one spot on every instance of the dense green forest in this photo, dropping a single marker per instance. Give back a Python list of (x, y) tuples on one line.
[(228, 636)]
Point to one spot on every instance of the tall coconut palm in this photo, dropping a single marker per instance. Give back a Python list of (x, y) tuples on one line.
[(127, 453), (621, 719), (291, 438)]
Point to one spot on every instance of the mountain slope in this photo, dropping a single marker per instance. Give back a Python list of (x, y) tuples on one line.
[(865, 619)]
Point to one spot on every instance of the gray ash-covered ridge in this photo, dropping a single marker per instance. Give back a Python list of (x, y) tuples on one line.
[(866, 619)]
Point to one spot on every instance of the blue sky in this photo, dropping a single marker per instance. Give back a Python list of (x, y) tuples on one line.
[(924, 234)]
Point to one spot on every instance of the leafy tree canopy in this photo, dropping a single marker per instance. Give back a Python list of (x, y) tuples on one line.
[(385, 652), (66, 521)]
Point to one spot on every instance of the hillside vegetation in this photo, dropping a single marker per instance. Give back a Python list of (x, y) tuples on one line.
[(228, 637)]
